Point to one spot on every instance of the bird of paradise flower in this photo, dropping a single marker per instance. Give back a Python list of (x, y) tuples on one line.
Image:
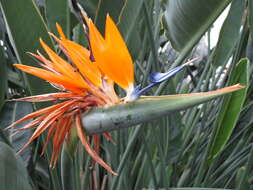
[(86, 81)]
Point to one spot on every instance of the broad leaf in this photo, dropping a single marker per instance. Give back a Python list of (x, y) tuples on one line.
[(57, 11), (13, 173), (188, 20), (11, 112), (231, 108), (25, 27), (104, 8), (229, 34)]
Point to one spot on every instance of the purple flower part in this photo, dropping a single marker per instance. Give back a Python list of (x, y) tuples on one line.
[(156, 78), (160, 77)]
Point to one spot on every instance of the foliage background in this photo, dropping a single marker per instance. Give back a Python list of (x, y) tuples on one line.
[(207, 146)]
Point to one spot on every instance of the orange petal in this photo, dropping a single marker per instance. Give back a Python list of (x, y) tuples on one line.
[(54, 78), (36, 114), (117, 47), (112, 59), (60, 31), (61, 65), (41, 128), (88, 148), (33, 123), (96, 139), (109, 137), (48, 121), (47, 97), (62, 130), (80, 57), (49, 134)]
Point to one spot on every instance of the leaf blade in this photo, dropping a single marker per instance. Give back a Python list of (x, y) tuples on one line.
[(231, 109), (21, 37), (187, 21), (13, 173)]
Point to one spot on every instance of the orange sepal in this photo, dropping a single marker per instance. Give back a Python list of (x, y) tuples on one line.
[(36, 114), (117, 47), (48, 121), (60, 65), (54, 78), (60, 31), (48, 97), (80, 57), (88, 148), (106, 55)]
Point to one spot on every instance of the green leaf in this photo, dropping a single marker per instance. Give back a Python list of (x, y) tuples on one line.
[(11, 112), (90, 7), (229, 34), (128, 24), (101, 120), (243, 173), (67, 170), (104, 8), (231, 109), (13, 173), (195, 188), (57, 11), (251, 18), (3, 78), (25, 26), (188, 20), (128, 17)]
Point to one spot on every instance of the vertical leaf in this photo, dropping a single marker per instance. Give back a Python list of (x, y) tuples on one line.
[(57, 11), (3, 78), (231, 109), (251, 18), (229, 34), (104, 8)]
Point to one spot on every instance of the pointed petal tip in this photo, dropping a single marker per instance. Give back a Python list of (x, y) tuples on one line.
[(60, 31), (108, 17), (17, 65)]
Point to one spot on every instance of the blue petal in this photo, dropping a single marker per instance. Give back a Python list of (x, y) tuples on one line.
[(155, 78), (160, 77)]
